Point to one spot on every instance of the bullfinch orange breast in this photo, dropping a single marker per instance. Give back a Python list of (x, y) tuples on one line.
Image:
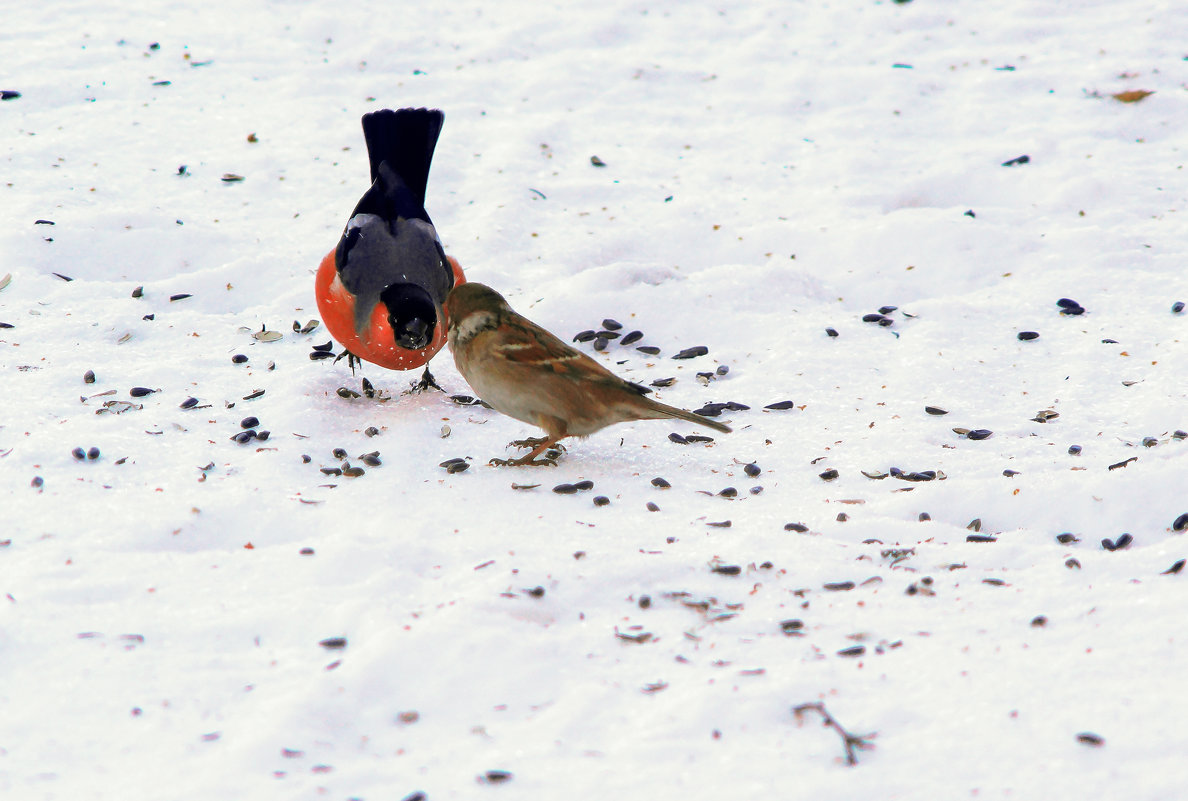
[(381, 291)]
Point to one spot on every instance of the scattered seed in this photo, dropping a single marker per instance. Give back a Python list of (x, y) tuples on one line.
[(353, 472), (1089, 738), (651, 507), (663, 382), (752, 469), (1180, 523), (140, 392), (1017, 160), (1074, 450), (842, 517), (537, 592), (838, 586), (458, 467), (678, 439), (975, 524), (1072, 564), (1010, 473), (693, 352), (331, 471), (1177, 307), (611, 324), (1027, 335), (698, 438), (980, 538), (253, 395), (980, 433), (726, 570), (371, 431), (180, 296), (318, 355), (832, 332), (995, 582), (1175, 568), (325, 347), (333, 643), (238, 358), (1150, 442), (1066, 538), (719, 524), (244, 437), (1123, 463), (263, 435), (798, 527), (631, 338), (601, 500), (660, 483), (792, 626), (583, 485), (79, 453), (267, 336), (348, 394), (230, 177), (92, 453), (1116, 545), (607, 335), (249, 422), (371, 459), (829, 475), (565, 489), (645, 601), (89, 377), (500, 776), (188, 403), (37, 482), (780, 405), (935, 410), (853, 650)]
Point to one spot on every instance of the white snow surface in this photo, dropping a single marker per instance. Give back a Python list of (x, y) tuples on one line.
[(771, 169)]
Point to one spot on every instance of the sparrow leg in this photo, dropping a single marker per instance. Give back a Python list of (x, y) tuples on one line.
[(427, 382), (539, 446), (530, 442)]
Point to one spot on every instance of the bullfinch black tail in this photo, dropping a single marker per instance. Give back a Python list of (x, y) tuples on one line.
[(405, 139)]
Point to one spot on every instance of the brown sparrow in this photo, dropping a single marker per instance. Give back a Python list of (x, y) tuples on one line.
[(525, 372)]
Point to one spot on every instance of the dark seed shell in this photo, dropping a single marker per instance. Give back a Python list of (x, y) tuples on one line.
[(89, 377), (1180, 523), (318, 355), (980, 538), (138, 292), (325, 346), (800, 527), (752, 469), (853, 650), (371, 431), (887, 309), (583, 485), (631, 338), (1089, 738), (1027, 335), (565, 489), (1072, 564), (140, 392), (180, 296), (585, 336), (829, 475), (306, 458), (872, 318), (1176, 567), (244, 437), (678, 439), (600, 343), (339, 453), (1074, 450), (353, 472), (839, 586), (1067, 303), (1066, 538), (608, 335), (458, 467), (726, 570), (92, 453), (370, 459), (651, 507), (611, 324), (188, 403), (791, 626), (936, 410), (660, 483), (720, 524), (1024, 159), (263, 435), (980, 433), (601, 500), (728, 492), (349, 394), (780, 405), (253, 394), (832, 332), (651, 350), (698, 438), (693, 352), (1177, 307), (663, 382), (333, 643), (238, 358), (1039, 621), (924, 516), (331, 471), (499, 776), (249, 422)]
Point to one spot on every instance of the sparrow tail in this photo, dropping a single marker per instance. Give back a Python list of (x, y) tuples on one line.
[(664, 410)]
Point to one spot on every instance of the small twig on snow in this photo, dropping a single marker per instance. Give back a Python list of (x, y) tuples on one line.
[(852, 742)]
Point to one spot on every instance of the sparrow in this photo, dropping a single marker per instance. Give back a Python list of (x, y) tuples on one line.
[(525, 372), (380, 291)]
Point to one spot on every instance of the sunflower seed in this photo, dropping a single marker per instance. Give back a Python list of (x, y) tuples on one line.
[(1072, 564), (1024, 159), (780, 405), (244, 437), (663, 382), (263, 435), (980, 538), (799, 527), (651, 350), (791, 626), (188, 403), (678, 439), (179, 296), (839, 586), (1118, 544), (331, 471), (92, 453), (1074, 450), (651, 507), (1066, 538), (829, 475), (1176, 567), (726, 570), (693, 352), (611, 324), (253, 394), (752, 469), (607, 335), (1027, 335), (325, 347), (660, 483), (500, 776), (936, 410), (924, 516), (371, 459), (853, 650), (1177, 307), (333, 643), (1123, 463), (583, 485), (585, 336), (353, 472), (565, 489), (1089, 738), (728, 492), (1180, 523), (698, 438), (832, 332), (458, 467), (601, 500), (980, 433), (249, 422), (631, 338)]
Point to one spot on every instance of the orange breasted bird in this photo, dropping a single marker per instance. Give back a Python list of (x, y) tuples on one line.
[(382, 291)]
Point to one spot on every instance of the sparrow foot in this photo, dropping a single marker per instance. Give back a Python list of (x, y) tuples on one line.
[(525, 461), (530, 442), (353, 361), (426, 383)]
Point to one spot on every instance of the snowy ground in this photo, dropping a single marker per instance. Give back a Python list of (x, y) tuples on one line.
[(772, 170)]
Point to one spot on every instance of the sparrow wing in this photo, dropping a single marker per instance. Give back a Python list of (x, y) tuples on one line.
[(527, 344)]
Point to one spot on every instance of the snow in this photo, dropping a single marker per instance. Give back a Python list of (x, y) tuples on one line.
[(771, 170)]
